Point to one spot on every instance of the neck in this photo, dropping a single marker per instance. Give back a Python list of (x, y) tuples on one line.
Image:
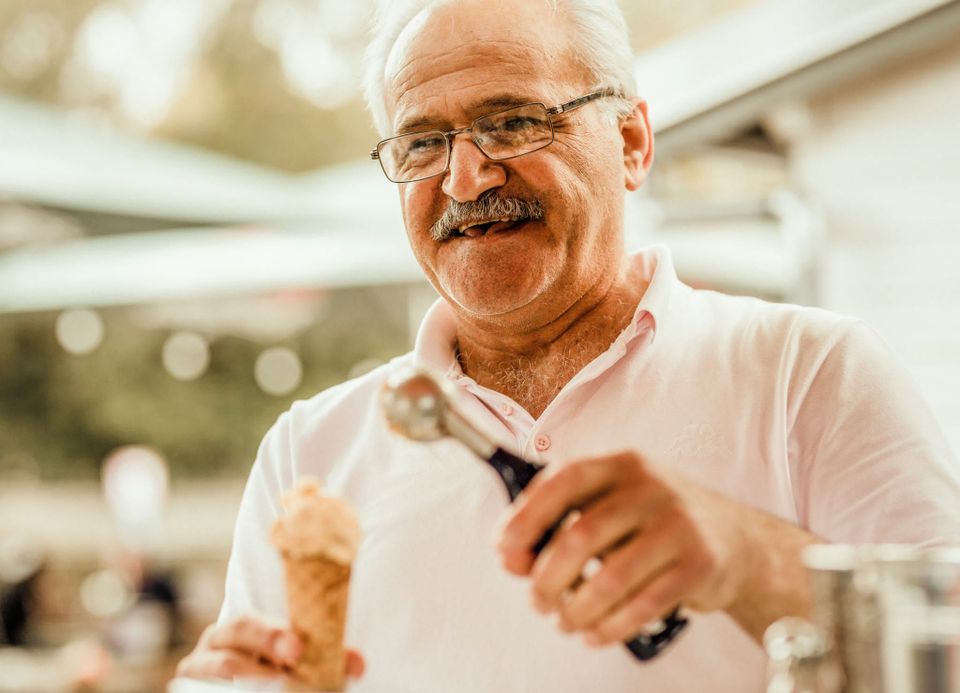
[(532, 365)]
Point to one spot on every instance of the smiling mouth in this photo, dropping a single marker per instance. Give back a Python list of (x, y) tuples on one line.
[(478, 229)]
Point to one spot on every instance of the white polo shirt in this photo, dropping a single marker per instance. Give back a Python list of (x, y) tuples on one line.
[(796, 411)]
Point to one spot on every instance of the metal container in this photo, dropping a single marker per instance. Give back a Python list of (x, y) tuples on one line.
[(886, 620)]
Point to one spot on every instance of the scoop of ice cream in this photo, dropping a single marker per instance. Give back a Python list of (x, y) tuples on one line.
[(316, 525)]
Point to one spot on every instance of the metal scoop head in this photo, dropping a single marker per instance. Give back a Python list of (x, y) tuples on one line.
[(421, 405)]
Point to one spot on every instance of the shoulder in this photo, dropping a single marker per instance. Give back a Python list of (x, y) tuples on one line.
[(352, 400), (314, 432), (777, 331)]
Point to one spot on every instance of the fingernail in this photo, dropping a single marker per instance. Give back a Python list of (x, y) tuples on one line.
[(288, 648)]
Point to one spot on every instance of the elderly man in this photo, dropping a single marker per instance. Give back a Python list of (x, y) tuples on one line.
[(704, 440)]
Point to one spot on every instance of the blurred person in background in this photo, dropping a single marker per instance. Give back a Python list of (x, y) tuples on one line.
[(704, 439), (21, 565), (149, 627), (27, 661)]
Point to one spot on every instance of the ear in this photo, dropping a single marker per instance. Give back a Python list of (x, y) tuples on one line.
[(637, 145)]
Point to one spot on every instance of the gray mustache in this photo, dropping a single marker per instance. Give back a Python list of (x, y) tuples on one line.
[(489, 206)]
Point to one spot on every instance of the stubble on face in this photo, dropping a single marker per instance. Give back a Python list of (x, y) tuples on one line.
[(450, 65)]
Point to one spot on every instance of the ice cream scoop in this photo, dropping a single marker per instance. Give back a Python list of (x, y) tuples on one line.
[(423, 406)]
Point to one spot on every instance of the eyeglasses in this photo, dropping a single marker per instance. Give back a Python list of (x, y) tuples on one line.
[(503, 135)]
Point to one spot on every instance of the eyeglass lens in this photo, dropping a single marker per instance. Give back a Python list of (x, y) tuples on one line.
[(502, 135)]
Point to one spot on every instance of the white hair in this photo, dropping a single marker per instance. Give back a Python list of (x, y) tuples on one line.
[(600, 44)]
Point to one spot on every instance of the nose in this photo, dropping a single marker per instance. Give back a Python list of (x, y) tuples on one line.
[(471, 173)]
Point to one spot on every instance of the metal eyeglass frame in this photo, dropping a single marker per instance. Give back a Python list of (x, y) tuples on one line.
[(448, 135)]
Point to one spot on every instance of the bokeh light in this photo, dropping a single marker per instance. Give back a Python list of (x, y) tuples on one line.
[(278, 371), (139, 54), (313, 42), (20, 557), (28, 44), (363, 366), (186, 355), (105, 594), (79, 331), (135, 484)]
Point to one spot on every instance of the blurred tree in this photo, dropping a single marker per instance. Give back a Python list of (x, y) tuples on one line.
[(238, 97), (67, 412), (239, 102), (36, 38)]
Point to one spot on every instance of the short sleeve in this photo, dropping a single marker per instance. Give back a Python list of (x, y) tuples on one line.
[(254, 581), (872, 462)]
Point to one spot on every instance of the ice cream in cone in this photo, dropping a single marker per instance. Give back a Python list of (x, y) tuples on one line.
[(318, 539)]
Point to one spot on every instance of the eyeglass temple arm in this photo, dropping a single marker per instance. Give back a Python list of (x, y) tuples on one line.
[(577, 103), (374, 154)]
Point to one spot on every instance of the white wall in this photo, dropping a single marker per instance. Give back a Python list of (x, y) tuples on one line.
[(884, 160)]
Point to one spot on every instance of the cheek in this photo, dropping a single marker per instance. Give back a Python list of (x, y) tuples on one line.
[(420, 206)]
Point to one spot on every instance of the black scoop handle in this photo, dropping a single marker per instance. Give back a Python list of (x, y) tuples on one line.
[(516, 473)]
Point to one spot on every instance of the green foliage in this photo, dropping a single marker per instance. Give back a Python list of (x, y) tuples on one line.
[(68, 412)]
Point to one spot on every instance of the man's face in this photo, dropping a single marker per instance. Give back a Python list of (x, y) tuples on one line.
[(469, 59)]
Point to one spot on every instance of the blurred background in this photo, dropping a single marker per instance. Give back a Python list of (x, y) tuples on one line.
[(192, 236)]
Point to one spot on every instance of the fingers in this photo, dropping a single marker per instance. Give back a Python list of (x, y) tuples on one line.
[(548, 498), (596, 531), (356, 665), (248, 646), (624, 572), (257, 639), (644, 607), (657, 545), (254, 648), (225, 664)]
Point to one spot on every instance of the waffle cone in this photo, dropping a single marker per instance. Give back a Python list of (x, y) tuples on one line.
[(317, 591)]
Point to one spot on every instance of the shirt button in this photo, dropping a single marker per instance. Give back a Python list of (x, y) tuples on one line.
[(506, 409), (542, 442)]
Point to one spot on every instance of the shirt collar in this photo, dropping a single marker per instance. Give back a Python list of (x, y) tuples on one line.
[(664, 289), (436, 342), (436, 345)]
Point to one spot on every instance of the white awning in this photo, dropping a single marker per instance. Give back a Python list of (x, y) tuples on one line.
[(724, 76)]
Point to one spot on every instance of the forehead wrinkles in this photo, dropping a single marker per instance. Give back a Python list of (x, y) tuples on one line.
[(438, 49), (503, 58)]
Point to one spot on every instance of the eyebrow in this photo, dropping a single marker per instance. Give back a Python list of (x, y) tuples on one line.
[(488, 105)]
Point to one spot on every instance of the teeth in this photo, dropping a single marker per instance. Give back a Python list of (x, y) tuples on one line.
[(463, 227)]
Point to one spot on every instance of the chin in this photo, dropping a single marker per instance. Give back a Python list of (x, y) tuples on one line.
[(497, 293), (488, 303)]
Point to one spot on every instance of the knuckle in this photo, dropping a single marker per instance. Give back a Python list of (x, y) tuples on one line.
[(705, 562), (208, 633), (545, 596), (668, 495), (641, 610), (223, 665), (574, 475), (678, 515), (630, 461), (612, 629), (579, 536), (185, 666), (541, 598), (608, 583), (242, 627)]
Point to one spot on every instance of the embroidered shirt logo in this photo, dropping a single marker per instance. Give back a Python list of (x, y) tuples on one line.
[(698, 441)]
